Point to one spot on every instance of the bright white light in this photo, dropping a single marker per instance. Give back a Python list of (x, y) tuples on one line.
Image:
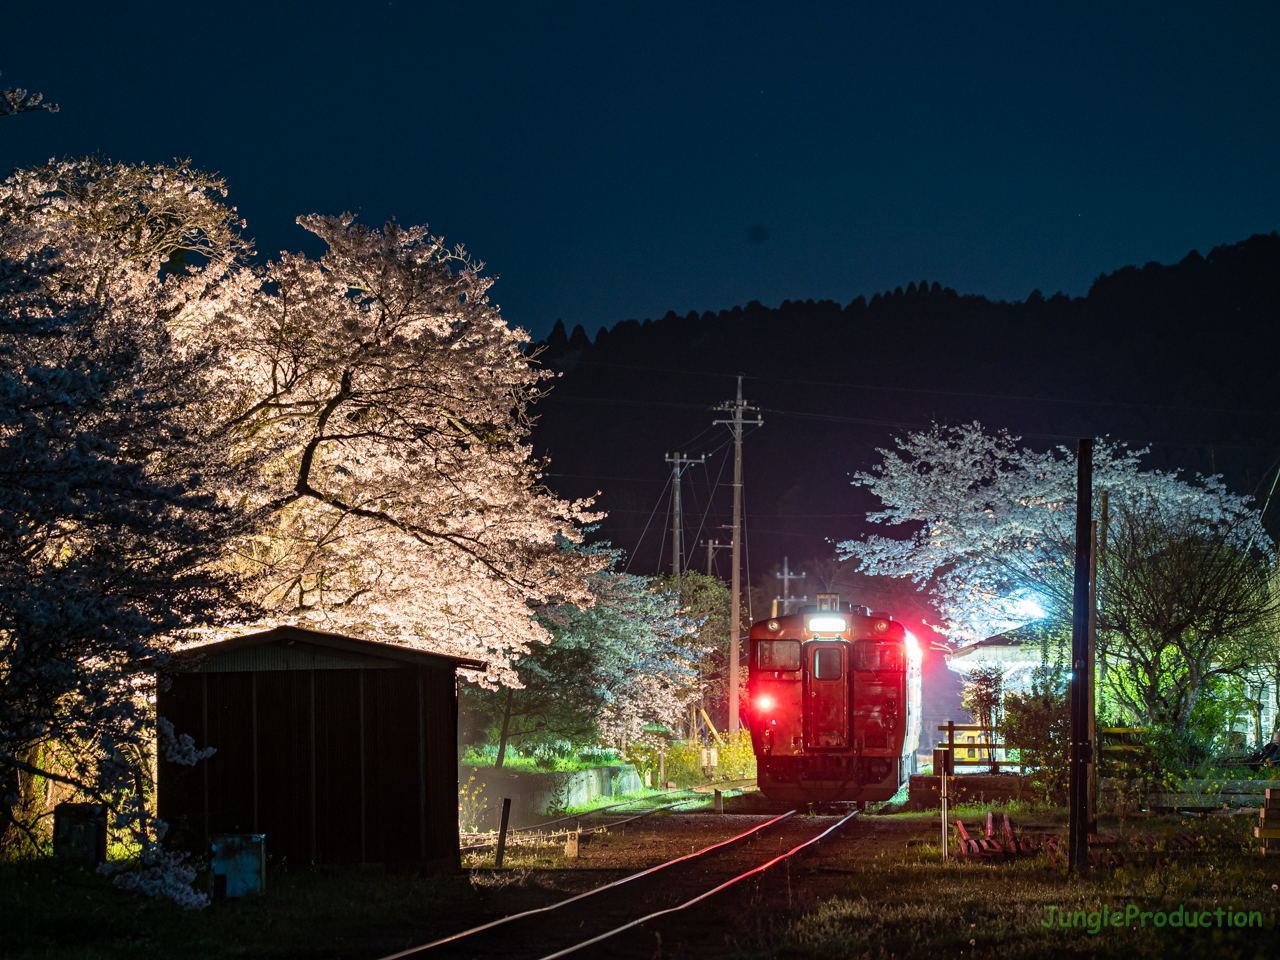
[(913, 648), (1024, 608), (828, 624), (765, 703)]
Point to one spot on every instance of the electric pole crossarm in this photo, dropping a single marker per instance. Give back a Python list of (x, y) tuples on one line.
[(712, 546), (786, 576)]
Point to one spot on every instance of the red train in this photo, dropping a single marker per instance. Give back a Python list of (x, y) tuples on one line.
[(834, 704)]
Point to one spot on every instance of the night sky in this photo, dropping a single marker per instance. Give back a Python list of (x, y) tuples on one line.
[(615, 161)]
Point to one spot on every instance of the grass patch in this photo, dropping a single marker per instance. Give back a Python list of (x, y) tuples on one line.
[(914, 906), (485, 755), (50, 911), (644, 793)]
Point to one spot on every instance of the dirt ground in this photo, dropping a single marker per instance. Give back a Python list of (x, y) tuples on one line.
[(668, 834), (882, 890), (879, 891)]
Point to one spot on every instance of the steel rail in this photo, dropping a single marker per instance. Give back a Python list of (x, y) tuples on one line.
[(612, 806), (583, 833), (702, 896), (413, 951), (524, 831)]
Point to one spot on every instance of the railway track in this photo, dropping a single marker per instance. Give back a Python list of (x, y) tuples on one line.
[(514, 837), (606, 919), (533, 834)]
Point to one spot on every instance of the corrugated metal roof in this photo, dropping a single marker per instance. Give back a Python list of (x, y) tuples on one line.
[(328, 651), (288, 656)]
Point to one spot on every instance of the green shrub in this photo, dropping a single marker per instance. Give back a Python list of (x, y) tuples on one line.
[(1039, 725), (540, 760), (735, 760)]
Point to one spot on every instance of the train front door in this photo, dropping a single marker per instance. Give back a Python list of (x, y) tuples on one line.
[(827, 700)]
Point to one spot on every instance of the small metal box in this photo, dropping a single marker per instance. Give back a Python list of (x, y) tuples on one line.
[(80, 832), (239, 864)]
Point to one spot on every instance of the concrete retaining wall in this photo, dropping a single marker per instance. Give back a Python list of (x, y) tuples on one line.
[(922, 791), (537, 796), (1114, 796), (1186, 795)]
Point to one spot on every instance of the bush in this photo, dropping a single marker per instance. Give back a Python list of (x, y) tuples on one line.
[(1039, 725), (736, 760), (540, 760)]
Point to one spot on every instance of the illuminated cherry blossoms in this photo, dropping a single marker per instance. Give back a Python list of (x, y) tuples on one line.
[(990, 524), (388, 401), (191, 445)]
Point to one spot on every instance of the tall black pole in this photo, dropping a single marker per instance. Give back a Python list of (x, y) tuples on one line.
[(1081, 748)]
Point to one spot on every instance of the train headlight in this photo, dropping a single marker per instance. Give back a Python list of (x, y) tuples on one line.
[(828, 624), (765, 704), (881, 626), (773, 626)]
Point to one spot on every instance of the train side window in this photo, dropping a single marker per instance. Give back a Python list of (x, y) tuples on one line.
[(877, 656), (778, 654), (827, 663)]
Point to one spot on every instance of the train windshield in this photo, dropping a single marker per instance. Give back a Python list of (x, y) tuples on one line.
[(868, 655), (778, 654)]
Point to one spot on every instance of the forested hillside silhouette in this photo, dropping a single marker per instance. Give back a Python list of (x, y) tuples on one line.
[(1179, 357)]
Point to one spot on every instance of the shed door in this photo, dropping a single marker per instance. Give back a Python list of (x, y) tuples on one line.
[(827, 697)]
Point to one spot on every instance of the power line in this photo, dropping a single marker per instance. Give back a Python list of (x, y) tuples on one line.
[(904, 425), (646, 530), (711, 499), (926, 390)]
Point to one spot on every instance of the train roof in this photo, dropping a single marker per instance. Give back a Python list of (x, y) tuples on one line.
[(795, 626)]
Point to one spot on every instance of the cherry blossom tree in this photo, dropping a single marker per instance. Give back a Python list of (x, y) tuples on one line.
[(190, 443), (389, 404), (1183, 584), (111, 526), (16, 100), (628, 659)]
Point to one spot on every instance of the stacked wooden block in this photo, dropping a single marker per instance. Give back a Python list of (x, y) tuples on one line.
[(1268, 829)]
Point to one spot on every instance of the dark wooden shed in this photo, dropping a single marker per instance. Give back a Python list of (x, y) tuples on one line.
[(341, 751)]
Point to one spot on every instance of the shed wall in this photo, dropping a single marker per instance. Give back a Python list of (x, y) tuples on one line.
[(333, 765)]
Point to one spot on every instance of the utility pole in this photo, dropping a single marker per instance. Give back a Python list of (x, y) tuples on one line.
[(1090, 804), (712, 546), (786, 576), (678, 463), (737, 408), (1098, 544), (1081, 752)]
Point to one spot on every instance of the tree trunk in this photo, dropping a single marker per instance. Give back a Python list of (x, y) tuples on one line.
[(506, 722), (1188, 704), (1275, 696), (30, 804)]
